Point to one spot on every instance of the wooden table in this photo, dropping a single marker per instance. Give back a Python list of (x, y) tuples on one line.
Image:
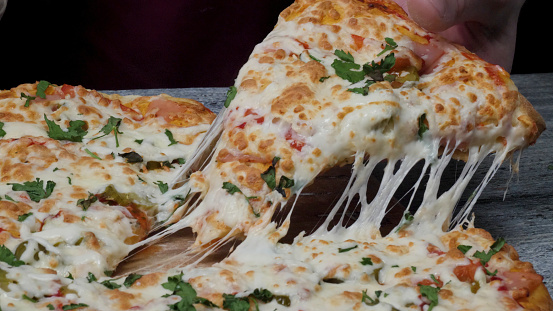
[(524, 218)]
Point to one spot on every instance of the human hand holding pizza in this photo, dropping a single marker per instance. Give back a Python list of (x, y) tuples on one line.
[(487, 28)]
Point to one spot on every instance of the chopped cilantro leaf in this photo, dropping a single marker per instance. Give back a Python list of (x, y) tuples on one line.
[(232, 189), (464, 248), (405, 220), (314, 58), (368, 300), (170, 137), (75, 132), (85, 203), (431, 293), (2, 132), (92, 154), (50, 307), (187, 293), (348, 71), (110, 284), (22, 218), (486, 256), (231, 93), (31, 299), (347, 57), (74, 306), (376, 71), (262, 294), (322, 79), (91, 277), (28, 99), (41, 88), (112, 126), (163, 187), (366, 261), (233, 303), (390, 45), (131, 278), (8, 257), (343, 250), (422, 125), (269, 177), (35, 189)]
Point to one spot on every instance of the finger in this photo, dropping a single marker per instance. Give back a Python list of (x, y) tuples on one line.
[(439, 15)]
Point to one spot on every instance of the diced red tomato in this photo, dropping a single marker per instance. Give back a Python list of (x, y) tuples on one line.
[(68, 90), (358, 40), (465, 273), (433, 249), (291, 137)]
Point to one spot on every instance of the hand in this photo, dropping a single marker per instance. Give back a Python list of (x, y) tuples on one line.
[(485, 27)]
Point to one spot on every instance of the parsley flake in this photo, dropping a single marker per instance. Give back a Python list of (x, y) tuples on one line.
[(22, 218), (343, 250), (163, 187), (41, 88), (231, 93), (188, 294), (35, 189), (112, 126), (74, 306), (8, 257), (170, 137), (75, 132), (366, 261), (131, 278), (2, 132)]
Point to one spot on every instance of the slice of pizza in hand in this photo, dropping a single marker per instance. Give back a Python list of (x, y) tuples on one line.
[(85, 175), (339, 78)]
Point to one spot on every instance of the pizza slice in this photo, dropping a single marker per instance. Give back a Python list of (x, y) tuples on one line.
[(85, 175), (336, 82)]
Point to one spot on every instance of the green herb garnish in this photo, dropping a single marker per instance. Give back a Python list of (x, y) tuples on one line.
[(22, 218), (188, 295), (163, 187), (131, 278), (8, 257), (75, 132), (92, 154), (74, 306), (343, 250), (422, 125), (231, 93), (232, 189), (2, 132), (366, 261), (41, 88), (35, 189), (464, 248), (85, 203), (170, 137), (112, 126)]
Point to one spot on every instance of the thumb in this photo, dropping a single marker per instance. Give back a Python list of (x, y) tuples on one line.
[(439, 15), (434, 15)]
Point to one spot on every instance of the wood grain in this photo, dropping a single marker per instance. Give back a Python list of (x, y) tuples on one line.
[(523, 215)]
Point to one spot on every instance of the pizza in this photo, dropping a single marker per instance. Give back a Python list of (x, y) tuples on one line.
[(83, 173), (87, 178), (339, 81)]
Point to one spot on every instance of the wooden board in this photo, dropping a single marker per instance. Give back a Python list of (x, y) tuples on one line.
[(523, 215)]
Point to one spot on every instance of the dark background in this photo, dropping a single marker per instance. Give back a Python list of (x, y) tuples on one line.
[(130, 44)]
